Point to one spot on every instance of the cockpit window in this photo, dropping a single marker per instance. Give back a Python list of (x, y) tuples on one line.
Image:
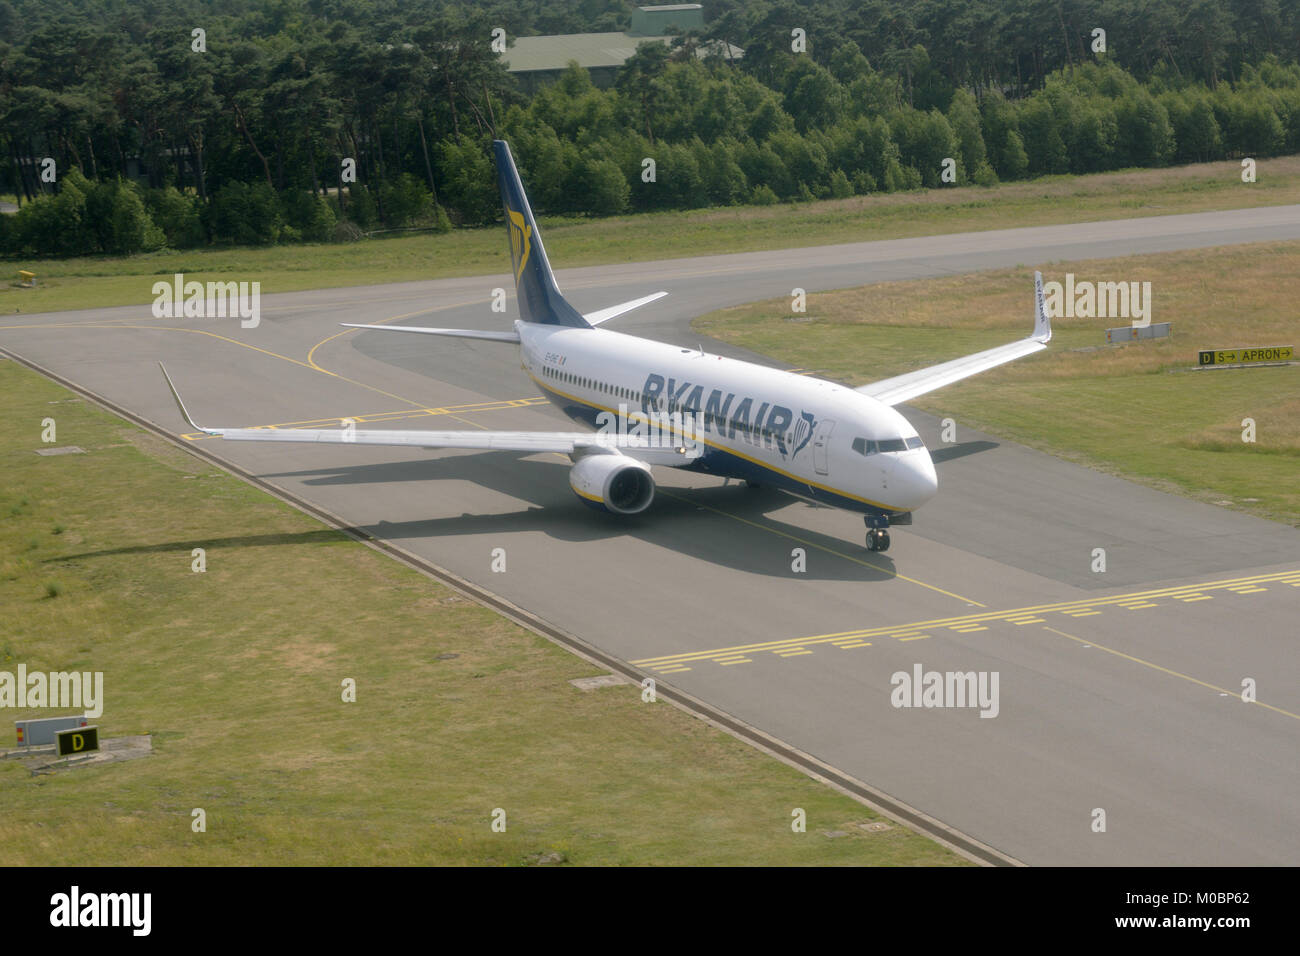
[(865, 446)]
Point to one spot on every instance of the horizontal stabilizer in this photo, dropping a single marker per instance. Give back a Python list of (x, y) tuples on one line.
[(454, 333), (604, 315)]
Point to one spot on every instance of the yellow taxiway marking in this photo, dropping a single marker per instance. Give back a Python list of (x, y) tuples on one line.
[(917, 637), (157, 328), (392, 318), (242, 345), (310, 363), (1016, 615), (1166, 670), (147, 306), (821, 547)]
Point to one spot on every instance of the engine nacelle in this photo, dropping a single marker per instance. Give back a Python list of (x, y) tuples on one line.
[(614, 483)]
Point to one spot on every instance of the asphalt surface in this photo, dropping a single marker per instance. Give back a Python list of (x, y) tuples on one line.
[(1117, 691)]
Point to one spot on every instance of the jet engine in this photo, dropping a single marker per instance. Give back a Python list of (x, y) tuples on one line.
[(614, 483)]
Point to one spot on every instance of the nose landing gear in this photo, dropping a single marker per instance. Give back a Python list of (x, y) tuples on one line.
[(877, 532)]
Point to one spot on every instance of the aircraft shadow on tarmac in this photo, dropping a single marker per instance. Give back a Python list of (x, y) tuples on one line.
[(945, 453), (559, 514), (679, 520)]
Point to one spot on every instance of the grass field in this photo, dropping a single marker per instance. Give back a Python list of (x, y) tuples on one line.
[(102, 281), (237, 673), (1131, 410)]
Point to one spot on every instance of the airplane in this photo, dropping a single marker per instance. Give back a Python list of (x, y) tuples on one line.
[(659, 404)]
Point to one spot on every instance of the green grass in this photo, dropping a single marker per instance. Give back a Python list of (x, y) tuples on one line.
[(237, 673), (101, 281), (1130, 410)]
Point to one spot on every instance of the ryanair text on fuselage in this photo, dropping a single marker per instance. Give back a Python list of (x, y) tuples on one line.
[(770, 426)]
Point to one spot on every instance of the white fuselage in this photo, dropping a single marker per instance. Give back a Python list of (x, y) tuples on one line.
[(809, 437)]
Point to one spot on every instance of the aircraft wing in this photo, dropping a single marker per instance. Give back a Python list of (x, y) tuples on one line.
[(902, 388), (575, 444)]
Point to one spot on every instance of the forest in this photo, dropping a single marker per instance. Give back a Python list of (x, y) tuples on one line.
[(134, 126)]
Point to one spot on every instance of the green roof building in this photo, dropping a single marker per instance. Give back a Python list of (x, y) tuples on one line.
[(538, 59)]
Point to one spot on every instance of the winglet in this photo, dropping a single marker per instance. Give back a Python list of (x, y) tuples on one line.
[(1042, 324), (181, 405)]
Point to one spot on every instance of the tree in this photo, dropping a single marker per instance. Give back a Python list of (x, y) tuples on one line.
[(925, 140), (245, 214), (636, 82), (1144, 136), (813, 97), (964, 118), (470, 189), (597, 187)]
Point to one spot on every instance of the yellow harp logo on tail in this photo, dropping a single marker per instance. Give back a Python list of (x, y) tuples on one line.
[(519, 241)]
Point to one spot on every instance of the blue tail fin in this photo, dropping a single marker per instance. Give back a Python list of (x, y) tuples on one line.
[(539, 297)]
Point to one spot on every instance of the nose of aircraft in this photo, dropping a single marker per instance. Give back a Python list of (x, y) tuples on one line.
[(913, 481)]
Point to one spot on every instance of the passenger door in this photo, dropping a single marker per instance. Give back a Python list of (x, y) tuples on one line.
[(821, 441)]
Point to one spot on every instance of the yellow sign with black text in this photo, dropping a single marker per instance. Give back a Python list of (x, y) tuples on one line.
[(1273, 353)]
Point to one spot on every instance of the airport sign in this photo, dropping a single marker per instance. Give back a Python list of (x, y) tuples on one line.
[(1272, 353), (79, 740)]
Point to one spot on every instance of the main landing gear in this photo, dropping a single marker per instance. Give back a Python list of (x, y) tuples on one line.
[(877, 532)]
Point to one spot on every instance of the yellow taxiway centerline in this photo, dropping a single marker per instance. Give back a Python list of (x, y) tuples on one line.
[(1013, 615)]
